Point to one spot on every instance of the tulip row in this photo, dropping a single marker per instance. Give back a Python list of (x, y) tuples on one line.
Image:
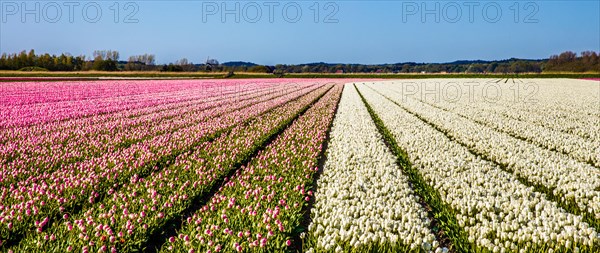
[(363, 201), (580, 148), (168, 101), (260, 207), (43, 155), (575, 183), (569, 106), (493, 207), (57, 102), (132, 213), (36, 103)]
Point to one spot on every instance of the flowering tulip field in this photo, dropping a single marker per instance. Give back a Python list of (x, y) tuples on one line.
[(498, 175), (300, 165)]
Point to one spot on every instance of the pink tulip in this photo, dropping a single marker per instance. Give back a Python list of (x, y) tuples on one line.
[(263, 242)]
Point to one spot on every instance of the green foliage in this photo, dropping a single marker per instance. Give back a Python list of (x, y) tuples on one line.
[(259, 69), (172, 68), (108, 60), (63, 62), (279, 73), (229, 74), (570, 62), (104, 65)]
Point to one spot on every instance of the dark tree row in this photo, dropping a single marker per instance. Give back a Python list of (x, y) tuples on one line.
[(107, 60), (567, 61), (570, 62), (63, 62), (104, 60), (509, 66)]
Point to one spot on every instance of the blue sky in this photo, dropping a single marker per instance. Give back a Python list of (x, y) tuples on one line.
[(355, 32)]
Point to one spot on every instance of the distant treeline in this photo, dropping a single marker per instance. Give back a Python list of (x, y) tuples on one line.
[(570, 62), (108, 60)]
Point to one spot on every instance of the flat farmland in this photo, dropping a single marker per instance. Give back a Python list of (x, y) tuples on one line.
[(300, 165)]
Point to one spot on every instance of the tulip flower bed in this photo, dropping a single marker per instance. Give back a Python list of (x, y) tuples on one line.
[(298, 165), (24, 104), (110, 136), (33, 204), (493, 206), (574, 183), (583, 149), (129, 215), (68, 189), (261, 205)]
